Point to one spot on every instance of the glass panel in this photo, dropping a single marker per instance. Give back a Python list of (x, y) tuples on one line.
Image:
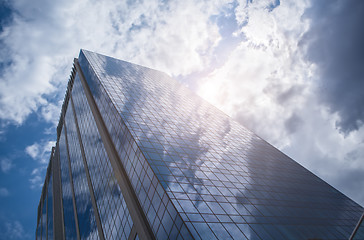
[(44, 217), (115, 218), (68, 210), (85, 213), (39, 232), (50, 207)]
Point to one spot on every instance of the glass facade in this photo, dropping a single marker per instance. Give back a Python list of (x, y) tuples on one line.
[(50, 209), (67, 189), (194, 172), (159, 210), (85, 211), (115, 218), (45, 209)]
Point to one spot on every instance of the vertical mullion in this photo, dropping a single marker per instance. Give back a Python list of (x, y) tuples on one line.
[(360, 222), (133, 233)]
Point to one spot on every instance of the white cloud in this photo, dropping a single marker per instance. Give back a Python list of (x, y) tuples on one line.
[(174, 36), (6, 164), (267, 84), (4, 192), (36, 181), (37, 177), (321, 148), (40, 151), (33, 150), (2, 135), (264, 77), (51, 112), (14, 230)]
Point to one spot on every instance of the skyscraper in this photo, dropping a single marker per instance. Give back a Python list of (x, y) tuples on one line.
[(139, 156)]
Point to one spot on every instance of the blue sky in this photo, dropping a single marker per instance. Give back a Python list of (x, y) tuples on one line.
[(292, 71)]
